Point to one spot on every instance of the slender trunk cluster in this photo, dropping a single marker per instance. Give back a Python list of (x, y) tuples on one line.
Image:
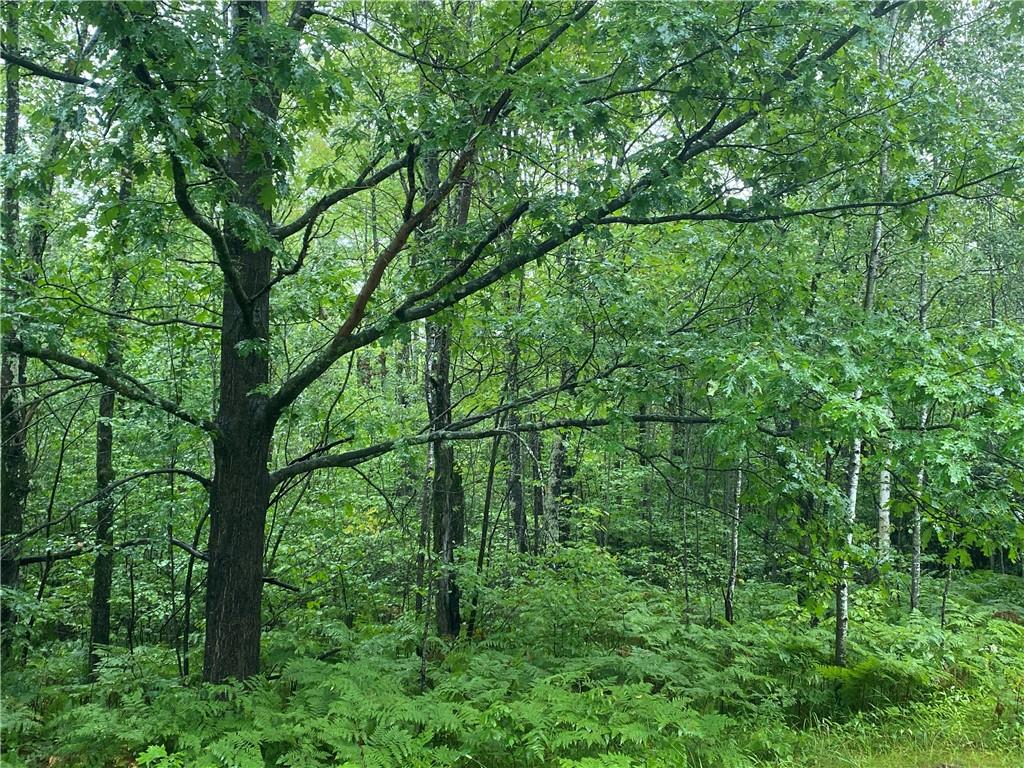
[(915, 521), (856, 446)]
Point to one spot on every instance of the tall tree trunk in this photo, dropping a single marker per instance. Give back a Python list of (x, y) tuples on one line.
[(517, 500), (14, 467), (915, 520), (553, 504), (423, 537), (843, 588), (734, 547), (853, 468), (915, 535), (645, 437), (103, 566), (485, 525), (447, 498), (240, 491)]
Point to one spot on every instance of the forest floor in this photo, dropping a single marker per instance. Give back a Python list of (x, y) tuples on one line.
[(574, 665)]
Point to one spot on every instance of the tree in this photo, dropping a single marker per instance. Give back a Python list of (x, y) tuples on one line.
[(698, 117)]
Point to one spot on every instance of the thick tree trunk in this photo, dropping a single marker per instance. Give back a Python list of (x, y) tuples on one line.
[(241, 489), (240, 493)]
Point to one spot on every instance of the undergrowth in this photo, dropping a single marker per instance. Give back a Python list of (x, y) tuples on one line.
[(614, 674)]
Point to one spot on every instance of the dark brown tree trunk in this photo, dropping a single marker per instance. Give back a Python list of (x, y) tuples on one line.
[(241, 487), (423, 539), (240, 492), (447, 500), (103, 567), (14, 468), (516, 496)]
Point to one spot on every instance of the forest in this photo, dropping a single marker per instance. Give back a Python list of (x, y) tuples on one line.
[(512, 384)]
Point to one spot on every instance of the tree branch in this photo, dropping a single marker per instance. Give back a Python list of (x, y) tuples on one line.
[(322, 205), (550, 39), (340, 344), (38, 69), (361, 455), (748, 216), (301, 12), (205, 482), (82, 549), (700, 141), (119, 381)]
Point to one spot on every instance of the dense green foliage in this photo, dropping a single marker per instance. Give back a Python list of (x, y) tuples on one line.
[(512, 383), (618, 676)]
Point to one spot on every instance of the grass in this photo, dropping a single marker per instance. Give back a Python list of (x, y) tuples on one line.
[(828, 753)]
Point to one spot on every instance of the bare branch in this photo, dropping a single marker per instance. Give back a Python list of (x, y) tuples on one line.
[(82, 549)]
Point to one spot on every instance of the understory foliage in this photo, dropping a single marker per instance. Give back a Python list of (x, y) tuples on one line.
[(624, 678)]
